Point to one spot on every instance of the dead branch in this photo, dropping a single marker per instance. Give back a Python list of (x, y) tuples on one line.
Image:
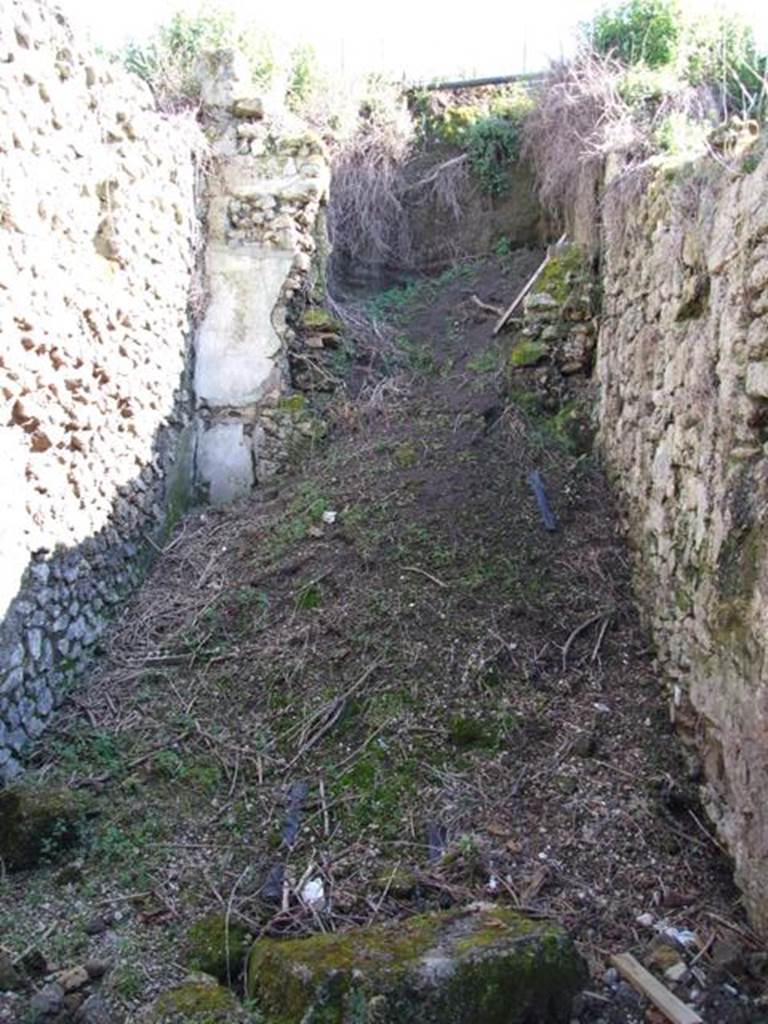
[(577, 632), (440, 169), (486, 306), (423, 572)]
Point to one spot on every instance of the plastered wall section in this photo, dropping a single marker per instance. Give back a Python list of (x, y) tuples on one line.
[(682, 363), (266, 189), (98, 233)]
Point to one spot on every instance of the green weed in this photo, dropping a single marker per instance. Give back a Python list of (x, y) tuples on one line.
[(486, 361)]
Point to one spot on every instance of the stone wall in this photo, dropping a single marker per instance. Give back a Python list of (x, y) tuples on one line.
[(682, 366), (98, 231), (266, 189)]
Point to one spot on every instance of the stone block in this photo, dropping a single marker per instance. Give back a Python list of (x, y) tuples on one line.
[(12, 681), (481, 964), (34, 643), (251, 107), (10, 769), (757, 379)]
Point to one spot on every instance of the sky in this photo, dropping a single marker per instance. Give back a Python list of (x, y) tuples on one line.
[(420, 39)]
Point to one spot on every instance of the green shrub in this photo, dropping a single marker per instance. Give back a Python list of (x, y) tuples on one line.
[(166, 60), (493, 143), (720, 50), (488, 128), (690, 45), (305, 77), (646, 31)]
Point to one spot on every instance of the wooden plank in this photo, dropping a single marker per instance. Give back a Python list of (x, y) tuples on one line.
[(473, 83), (664, 1000), (528, 285)]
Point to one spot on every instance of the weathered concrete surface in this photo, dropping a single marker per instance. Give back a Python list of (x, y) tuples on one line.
[(481, 964), (684, 433)]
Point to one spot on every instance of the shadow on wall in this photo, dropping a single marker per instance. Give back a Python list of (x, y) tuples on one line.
[(57, 603)]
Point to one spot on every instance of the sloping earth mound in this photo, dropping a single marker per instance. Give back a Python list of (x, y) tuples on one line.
[(387, 679)]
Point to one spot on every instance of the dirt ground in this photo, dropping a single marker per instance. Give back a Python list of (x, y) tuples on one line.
[(384, 674)]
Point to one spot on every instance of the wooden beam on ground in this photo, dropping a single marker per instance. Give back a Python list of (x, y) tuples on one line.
[(529, 284), (664, 1000)]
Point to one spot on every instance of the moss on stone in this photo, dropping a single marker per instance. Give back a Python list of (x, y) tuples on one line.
[(561, 273), (293, 404), (38, 823), (526, 353), (573, 427), (739, 561), (217, 947), (198, 1000), (316, 319), (179, 488), (486, 964), (738, 568)]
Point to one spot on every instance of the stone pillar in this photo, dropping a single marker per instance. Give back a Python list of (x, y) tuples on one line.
[(269, 181)]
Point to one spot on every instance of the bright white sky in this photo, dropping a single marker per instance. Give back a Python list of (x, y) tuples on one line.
[(421, 38)]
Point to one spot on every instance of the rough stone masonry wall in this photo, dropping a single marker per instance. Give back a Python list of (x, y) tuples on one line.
[(682, 362), (268, 183), (97, 240)]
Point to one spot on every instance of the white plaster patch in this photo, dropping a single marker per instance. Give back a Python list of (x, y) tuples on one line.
[(224, 462), (237, 343)]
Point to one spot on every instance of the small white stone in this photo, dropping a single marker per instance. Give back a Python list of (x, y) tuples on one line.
[(676, 972), (313, 894)]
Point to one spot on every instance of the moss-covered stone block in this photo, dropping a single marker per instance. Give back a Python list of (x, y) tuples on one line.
[(526, 353), (483, 963), (562, 271), (38, 824), (217, 947), (316, 319), (199, 1000)]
